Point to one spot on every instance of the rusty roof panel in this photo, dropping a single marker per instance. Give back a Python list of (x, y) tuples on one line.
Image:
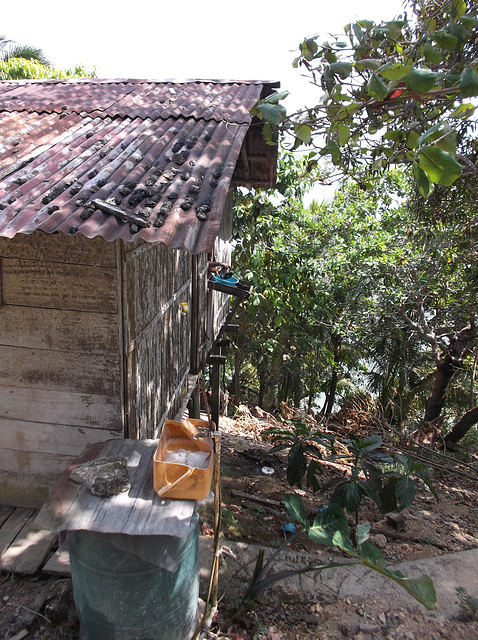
[(163, 178), (207, 100), (168, 173)]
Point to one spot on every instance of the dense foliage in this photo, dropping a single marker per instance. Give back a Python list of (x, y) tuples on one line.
[(357, 296), (19, 62), (398, 92)]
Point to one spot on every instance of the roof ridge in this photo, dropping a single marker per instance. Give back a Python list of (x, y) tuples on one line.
[(136, 81)]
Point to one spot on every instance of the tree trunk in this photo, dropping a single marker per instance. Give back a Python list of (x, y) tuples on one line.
[(462, 426), (262, 389), (332, 391), (335, 377), (459, 347), (436, 400)]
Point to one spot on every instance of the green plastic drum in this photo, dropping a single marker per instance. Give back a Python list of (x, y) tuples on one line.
[(135, 587)]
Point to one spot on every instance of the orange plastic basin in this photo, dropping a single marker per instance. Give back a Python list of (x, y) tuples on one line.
[(182, 466)]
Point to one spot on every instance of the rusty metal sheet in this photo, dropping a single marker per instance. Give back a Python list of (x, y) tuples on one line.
[(162, 179), (207, 100)]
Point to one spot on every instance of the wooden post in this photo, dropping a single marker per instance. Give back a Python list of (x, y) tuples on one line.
[(216, 361), (194, 405), (215, 392)]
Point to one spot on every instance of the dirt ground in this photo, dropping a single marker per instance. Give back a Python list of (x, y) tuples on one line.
[(253, 512)]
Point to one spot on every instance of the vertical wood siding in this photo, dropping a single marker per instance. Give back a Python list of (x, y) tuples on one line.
[(60, 377), (157, 283)]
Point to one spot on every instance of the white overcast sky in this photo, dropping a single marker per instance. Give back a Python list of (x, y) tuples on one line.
[(248, 39)]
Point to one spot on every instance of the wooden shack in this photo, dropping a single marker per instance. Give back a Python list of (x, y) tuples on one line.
[(114, 196)]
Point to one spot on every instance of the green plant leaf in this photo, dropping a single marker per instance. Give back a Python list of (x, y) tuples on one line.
[(326, 524), (304, 133), (424, 184), (421, 80), (424, 477), (368, 63), (377, 88), (412, 139), (465, 110), (313, 469), (309, 48), (469, 83), (371, 553), (276, 97), (348, 495), (273, 113), (370, 443), (460, 8), (433, 55), (430, 134), (393, 29), (444, 39), (295, 506), (362, 532), (334, 151), (422, 588), (296, 465), (388, 495), (344, 134), (341, 69), (405, 491), (440, 166), (343, 542), (270, 134), (395, 71), (469, 21)]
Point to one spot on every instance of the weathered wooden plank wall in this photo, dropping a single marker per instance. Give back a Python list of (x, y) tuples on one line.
[(157, 285), (60, 354)]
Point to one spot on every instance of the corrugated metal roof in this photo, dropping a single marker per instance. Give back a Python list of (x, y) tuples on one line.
[(121, 159)]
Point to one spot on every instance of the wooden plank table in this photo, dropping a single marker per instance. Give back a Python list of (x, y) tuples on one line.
[(139, 511)]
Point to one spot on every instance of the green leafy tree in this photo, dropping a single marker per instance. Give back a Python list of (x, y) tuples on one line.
[(24, 61), (398, 92), (360, 294), (10, 49)]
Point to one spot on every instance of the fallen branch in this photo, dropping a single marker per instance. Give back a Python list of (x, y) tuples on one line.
[(265, 501), (438, 465)]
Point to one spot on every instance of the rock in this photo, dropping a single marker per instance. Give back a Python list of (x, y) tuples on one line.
[(383, 618), (379, 540), (104, 477), (396, 521)]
